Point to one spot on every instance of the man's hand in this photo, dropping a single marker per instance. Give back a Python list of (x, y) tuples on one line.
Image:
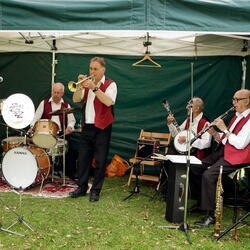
[(68, 130), (30, 132), (182, 139), (219, 123), (170, 119)]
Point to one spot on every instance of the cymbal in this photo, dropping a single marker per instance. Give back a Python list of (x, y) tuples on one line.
[(65, 111)]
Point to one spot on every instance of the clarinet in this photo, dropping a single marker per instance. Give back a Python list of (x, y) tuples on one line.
[(204, 130)]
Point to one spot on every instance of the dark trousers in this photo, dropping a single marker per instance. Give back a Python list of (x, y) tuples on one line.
[(204, 177), (94, 143)]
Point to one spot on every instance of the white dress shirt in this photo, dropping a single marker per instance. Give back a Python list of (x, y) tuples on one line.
[(111, 91), (54, 118), (242, 139), (200, 143)]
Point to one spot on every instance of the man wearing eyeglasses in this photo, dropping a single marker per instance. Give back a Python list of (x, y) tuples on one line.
[(233, 152)]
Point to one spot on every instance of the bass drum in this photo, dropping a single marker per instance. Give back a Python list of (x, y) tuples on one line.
[(24, 166)]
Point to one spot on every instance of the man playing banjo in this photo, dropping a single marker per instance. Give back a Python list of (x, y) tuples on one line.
[(203, 143)]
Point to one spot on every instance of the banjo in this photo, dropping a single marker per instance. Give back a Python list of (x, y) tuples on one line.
[(182, 148)]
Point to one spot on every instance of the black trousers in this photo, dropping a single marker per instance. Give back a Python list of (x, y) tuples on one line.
[(94, 143), (204, 177)]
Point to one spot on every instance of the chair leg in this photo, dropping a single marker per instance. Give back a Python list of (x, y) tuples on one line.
[(130, 176)]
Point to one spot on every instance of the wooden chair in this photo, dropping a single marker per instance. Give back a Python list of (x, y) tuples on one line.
[(164, 142)]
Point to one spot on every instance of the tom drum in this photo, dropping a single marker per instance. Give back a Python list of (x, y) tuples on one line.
[(45, 135)]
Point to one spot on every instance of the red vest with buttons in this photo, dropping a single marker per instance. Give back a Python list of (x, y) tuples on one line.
[(200, 153), (233, 155), (47, 108), (103, 114)]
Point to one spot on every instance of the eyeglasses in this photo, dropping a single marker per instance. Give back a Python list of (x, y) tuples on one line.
[(239, 99)]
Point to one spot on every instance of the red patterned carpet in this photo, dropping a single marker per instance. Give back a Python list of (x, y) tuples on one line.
[(50, 189)]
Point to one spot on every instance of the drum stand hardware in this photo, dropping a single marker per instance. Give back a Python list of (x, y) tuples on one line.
[(20, 219)]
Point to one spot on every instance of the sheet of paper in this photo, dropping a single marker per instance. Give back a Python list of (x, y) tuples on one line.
[(183, 159), (159, 157)]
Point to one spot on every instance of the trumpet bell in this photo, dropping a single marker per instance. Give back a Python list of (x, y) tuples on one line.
[(72, 86)]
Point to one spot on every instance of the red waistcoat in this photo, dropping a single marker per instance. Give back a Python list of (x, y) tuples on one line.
[(200, 153), (233, 155), (103, 114), (47, 108)]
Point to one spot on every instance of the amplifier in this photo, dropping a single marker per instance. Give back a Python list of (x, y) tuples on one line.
[(147, 147)]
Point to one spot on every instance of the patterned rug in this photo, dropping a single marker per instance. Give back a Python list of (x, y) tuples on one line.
[(50, 189)]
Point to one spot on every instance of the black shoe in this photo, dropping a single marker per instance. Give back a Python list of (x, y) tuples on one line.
[(94, 197), (194, 209), (206, 221), (77, 193)]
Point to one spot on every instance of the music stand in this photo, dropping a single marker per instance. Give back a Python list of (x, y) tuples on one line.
[(136, 189), (241, 220)]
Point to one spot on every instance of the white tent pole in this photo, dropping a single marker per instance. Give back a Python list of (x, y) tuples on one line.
[(53, 65), (244, 70)]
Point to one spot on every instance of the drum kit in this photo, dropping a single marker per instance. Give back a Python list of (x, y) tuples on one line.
[(34, 154), (27, 161)]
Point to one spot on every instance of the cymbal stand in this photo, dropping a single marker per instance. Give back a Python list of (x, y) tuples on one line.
[(20, 219), (64, 153), (64, 170)]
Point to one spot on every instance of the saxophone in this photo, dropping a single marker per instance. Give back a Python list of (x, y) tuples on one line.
[(218, 205)]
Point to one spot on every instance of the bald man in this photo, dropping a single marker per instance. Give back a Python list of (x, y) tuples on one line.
[(202, 144), (233, 152), (54, 103)]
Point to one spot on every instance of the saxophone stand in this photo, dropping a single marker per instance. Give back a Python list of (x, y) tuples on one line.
[(20, 219), (241, 220), (136, 189)]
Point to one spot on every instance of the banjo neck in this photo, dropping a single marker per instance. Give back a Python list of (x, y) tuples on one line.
[(169, 112)]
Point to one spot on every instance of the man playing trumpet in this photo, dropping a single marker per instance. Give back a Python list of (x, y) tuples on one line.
[(98, 95)]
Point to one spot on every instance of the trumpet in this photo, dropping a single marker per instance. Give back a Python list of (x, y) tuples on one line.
[(72, 86)]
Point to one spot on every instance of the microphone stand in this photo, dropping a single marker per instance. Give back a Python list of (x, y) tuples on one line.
[(184, 226)]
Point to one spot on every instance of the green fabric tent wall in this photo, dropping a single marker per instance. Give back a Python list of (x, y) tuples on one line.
[(140, 90), (184, 15)]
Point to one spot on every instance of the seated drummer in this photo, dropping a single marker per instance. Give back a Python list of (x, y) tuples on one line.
[(56, 102)]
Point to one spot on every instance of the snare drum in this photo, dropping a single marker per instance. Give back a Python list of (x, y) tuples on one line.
[(23, 166), (57, 150), (11, 142), (45, 135)]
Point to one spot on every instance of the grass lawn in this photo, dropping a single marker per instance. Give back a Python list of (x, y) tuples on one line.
[(110, 223)]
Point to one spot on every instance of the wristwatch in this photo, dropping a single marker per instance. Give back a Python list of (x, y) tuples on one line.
[(95, 89), (225, 131)]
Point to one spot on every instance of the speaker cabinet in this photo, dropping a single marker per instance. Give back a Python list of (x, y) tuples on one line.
[(176, 192)]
